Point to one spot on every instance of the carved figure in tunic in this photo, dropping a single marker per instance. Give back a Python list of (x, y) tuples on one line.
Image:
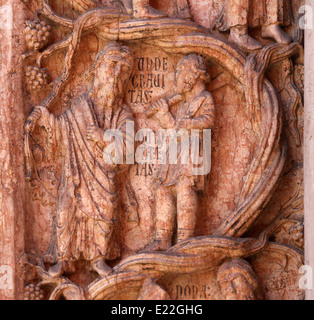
[(238, 15), (87, 197), (177, 185)]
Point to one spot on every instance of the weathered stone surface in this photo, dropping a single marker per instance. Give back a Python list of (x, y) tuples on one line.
[(79, 220)]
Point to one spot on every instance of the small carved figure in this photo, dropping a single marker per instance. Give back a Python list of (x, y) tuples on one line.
[(238, 15), (238, 281), (87, 199), (137, 8), (177, 181)]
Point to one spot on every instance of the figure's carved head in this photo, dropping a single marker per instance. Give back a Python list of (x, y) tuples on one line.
[(189, 70), (238, 281), (111, 71)]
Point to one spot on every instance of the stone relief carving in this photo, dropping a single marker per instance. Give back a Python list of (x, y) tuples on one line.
[(137, 8), (238, 15), (238, 281), (37, 78), (196, 111), (36, 34), (92, 202), (87, 203)]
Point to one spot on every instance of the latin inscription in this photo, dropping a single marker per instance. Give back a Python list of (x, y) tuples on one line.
[(150, 74)]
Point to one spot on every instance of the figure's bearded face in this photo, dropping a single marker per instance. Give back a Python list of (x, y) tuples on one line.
[(110, 80), (185, 78)]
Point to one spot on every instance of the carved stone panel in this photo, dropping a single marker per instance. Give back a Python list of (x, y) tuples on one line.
[(162, 150)]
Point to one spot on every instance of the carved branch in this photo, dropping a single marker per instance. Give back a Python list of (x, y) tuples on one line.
[(47, 12), (194, 255), (72, 42), (53, 50), (85, 22), (69, 291), (289, 207)]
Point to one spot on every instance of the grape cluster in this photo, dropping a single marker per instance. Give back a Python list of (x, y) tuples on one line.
[(33, 292), (36, 77), (299, 76), (36, 34), (296, 233)]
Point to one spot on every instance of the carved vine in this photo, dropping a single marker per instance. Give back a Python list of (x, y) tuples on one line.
[(263, 174)]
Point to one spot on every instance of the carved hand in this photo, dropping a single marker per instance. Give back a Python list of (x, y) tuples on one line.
[(94, 133), (32, 119), (161, 106), (184, 124)]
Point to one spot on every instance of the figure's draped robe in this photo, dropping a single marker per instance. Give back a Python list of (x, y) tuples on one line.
[(87, 198), (254, 13)]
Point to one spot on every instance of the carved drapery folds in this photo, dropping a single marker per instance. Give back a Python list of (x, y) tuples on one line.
[(120, 228)]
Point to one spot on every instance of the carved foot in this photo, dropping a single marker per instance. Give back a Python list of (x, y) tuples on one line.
[(101, 267), (142, 9), (128, 6), (157, 245), (274, 31), (241, 38), (56, 270)]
